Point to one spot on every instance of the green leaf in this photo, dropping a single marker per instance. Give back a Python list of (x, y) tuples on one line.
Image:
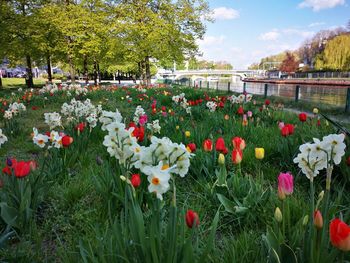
[(228, 204), (9, 214), (210, 241)]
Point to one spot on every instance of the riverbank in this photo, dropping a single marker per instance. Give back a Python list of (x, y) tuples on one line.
[(319, 82)]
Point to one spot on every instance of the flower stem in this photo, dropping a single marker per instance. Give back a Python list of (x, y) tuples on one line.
[(311, 225)]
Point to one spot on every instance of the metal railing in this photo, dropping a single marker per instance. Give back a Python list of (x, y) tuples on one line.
[(328, 95)]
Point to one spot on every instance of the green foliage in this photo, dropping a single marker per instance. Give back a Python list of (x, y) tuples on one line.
[(336, 55)]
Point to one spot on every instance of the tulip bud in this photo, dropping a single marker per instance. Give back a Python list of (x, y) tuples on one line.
[(221, 159), (177, 127), (320, 196), (135, 180), (187, 134), (123, 178), (318, 220), (305, 220), (315, 111), (280, 193), (227, 117), (278, 215), (259, 153), (192, 219)]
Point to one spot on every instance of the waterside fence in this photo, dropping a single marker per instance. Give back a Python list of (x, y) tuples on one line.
[(326, 93)]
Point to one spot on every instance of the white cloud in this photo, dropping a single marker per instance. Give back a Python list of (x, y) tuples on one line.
[(315, 24), (224, 13), (318, 5), (302, 33), (211, 40), (272, 35)]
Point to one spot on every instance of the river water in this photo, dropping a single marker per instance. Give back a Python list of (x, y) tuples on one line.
[(331, 95)]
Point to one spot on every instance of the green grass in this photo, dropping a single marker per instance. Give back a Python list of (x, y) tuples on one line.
[(15, 83), (83, 201)]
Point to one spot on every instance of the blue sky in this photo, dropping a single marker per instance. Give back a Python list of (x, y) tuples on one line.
[(246, 30)]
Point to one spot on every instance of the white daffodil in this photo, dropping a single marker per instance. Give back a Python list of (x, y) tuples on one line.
[(40, 139), (154, 126), (108, 117), (158, 177), (53, 119), (144, 158), (335, 146), (161, 147), (3, 138)]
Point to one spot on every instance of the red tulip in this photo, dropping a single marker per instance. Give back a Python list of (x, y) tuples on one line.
[(238, 143), (192, 219), (192, 147), (221, 104), (208, 145), (302, 117), (267, 102), (339, 234), (67, 140), (138, 132), (80, 127), (237, 156), (240, 111), (135, 180), (20, 169), (220, 146), (290, 128)]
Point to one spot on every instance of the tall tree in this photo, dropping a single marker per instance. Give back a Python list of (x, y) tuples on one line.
[(289, 64), (18, 26), (336, 55)]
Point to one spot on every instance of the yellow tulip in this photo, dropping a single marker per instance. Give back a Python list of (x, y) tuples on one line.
[(259, 153), (315, 111), (177, 127), (187, 134)]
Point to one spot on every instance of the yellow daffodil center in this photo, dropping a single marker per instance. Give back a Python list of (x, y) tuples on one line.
[(165, 166)]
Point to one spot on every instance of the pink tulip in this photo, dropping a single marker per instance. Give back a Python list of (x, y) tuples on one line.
[(285, 183), (281, 125), (143, 119)]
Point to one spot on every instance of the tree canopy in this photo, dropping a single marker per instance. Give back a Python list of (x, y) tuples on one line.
[(85, 35)]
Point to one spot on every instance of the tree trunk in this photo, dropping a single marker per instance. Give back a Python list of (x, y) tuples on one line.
[(98, 73), (85, 68), (49, 69), (0, 79), (29, 78), (71, 68), (142, 72), (148, 71), (118, 76), (95, 72)]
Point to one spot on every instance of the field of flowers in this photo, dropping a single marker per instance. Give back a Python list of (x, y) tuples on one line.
[(168, 174)]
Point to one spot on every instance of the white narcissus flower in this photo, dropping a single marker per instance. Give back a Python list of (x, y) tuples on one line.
[(211, 105), (321, 154), (154, 126), (335, 146), (158, 178), (40, 139), (53, 119), (108, 117), (3, 138)]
